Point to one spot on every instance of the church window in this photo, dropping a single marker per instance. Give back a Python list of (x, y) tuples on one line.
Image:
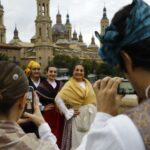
[(40, 32), (43, 9), (39, 9), (47, 33)]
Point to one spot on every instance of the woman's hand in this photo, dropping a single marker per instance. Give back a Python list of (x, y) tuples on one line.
[(36, 117), (76, 112), (106, 93)]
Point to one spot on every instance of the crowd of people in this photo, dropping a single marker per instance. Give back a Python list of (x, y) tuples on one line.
[(77, 115)]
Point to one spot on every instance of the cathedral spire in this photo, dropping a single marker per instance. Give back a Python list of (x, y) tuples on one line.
[(67, 20), (42, 23), (75, 38), (58, 18), (104, 21), (80, 38), (92, 41), (68, 27), (16, 33), (104, 13)]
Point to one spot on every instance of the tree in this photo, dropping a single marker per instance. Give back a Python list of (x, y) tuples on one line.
[(105, 69), (90, 66), (65, 61), (3, 56)]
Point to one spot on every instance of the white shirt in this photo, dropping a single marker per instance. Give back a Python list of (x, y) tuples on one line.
[(36, 83), (82, 84), (52, 83), (46, 135), (112, 133)]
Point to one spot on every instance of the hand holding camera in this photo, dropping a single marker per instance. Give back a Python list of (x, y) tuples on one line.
[(106, 93), (32, 111)]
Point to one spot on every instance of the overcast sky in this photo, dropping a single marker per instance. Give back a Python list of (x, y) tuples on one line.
[(85, 15)]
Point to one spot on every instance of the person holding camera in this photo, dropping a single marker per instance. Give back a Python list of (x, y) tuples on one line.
[(126, 44), (13, 89)]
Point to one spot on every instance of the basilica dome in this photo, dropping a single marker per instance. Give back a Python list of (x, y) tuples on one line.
[(59, 28)]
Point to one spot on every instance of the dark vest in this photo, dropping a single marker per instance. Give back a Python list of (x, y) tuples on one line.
[(32, 84), (47, 93), (140, 115)]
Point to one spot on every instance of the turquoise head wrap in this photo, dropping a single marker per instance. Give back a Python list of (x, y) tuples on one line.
[(137, 28)]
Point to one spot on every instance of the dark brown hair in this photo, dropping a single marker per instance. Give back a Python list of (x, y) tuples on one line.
[(13, 85)]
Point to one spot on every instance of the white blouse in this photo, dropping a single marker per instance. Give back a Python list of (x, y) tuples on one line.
[(112, 133)]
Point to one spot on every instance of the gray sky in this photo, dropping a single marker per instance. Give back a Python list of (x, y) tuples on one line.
[(85, 15)]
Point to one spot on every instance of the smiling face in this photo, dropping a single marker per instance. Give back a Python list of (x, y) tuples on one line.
[(78, 73), (52, 73)]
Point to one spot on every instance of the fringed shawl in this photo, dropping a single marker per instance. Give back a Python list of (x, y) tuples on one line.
[(73, 94)]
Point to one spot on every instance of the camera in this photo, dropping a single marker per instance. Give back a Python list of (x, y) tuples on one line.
[(125, 87), (30, 100)]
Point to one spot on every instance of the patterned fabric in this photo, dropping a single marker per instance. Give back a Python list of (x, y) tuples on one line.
[(67, 135), (73, 94), (137, 28), (141, 117), (13, 138)]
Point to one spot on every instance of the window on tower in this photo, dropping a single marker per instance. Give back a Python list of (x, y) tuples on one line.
[(47, 33), (43, 9), (39, 9), (40, 32), (47, 10)]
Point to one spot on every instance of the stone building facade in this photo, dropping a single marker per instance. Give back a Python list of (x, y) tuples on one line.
[(50, 40)]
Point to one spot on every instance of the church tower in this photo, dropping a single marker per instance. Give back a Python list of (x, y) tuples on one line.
[(75, 38), (2, 27), (104, 22), (43, 23), (16, 39), (93, 45), (80, 38), (43, 34), (68, 27)]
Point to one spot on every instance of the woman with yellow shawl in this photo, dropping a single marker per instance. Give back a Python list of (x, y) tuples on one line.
[(76, 94)]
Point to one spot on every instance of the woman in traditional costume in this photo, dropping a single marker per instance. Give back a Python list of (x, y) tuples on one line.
[(77, 95), (47, 90), (33, 73)]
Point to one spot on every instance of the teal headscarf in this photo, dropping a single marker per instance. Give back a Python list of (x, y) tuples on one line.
[(137, 28)]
